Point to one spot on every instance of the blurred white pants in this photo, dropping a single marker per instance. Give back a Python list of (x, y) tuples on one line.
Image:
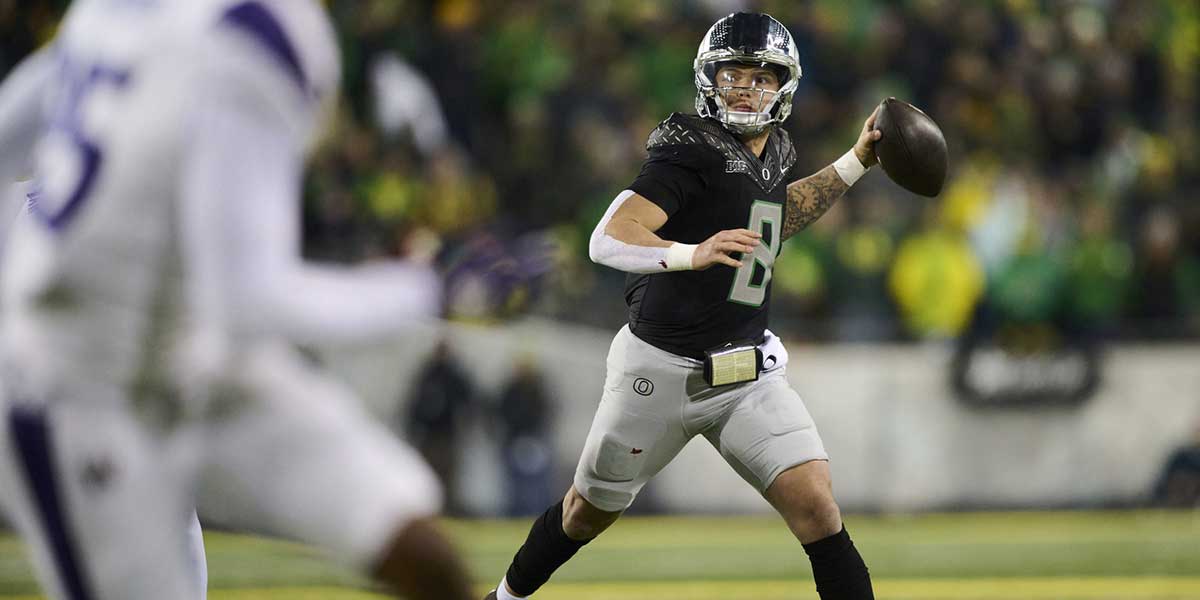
[(105, 501), (97, 501)]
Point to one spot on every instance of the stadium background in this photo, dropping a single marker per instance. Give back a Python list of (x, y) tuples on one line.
[(1027, 340)]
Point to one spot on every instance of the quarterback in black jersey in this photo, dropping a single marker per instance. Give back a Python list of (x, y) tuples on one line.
[(698, 231), (700, 179)]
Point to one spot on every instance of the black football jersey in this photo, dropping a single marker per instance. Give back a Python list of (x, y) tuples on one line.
[(707, 181)]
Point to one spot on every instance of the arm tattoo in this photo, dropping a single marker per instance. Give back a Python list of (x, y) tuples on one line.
[(809, 198)]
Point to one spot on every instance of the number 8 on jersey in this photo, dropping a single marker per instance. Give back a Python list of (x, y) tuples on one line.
[(765, 218)]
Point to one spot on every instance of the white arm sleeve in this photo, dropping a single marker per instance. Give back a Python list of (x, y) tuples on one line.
[(606, 250), (240, 216), (21, 98)]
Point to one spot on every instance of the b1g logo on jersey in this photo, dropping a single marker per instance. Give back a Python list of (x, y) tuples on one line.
[(741, 166)]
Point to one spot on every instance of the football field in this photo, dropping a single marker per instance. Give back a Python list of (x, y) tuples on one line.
[(980, 556)]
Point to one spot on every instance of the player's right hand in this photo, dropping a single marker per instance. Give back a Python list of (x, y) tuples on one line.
[(717, 249), (864, 148)]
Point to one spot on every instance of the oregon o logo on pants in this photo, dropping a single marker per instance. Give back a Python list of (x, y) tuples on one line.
[(643, 386)]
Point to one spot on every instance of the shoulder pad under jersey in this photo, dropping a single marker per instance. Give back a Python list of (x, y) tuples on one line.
[(687, 130), (701, 140), (686, 139)]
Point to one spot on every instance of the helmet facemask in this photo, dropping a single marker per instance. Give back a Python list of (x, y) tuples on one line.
[(740, 120), (762, 43)]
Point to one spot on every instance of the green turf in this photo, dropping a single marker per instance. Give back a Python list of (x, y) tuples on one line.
[(891, 589), (1083, 555), (930, 546)]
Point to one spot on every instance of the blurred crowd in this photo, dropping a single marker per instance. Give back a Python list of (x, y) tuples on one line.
[(490, 136), (447, 414)]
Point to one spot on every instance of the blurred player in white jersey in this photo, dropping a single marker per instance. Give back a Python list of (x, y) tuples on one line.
[(14, 213), (150, 299)]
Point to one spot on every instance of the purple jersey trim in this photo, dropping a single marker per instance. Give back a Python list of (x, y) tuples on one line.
[(256, 20), (30, 431)]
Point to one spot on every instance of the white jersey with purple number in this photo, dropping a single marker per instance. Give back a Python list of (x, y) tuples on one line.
[(167, 141), (168, 168), (96, 274)]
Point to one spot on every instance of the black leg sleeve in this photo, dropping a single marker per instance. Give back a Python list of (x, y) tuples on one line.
[(838, 569), (545, 550)]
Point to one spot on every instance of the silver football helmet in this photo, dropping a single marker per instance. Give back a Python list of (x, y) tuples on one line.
[(751, 39)]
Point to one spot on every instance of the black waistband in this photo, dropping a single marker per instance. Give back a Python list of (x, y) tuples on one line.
[(696, 353)]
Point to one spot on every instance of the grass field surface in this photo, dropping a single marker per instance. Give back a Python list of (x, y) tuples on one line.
[(968, 556)]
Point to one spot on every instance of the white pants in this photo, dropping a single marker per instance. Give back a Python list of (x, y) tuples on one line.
[(291, 452), (95, 498), (654, 402), (104, 502)]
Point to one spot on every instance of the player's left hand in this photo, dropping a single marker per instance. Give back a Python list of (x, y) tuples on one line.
[(864, 148)]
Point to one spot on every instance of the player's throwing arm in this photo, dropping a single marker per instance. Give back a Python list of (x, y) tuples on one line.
[(810, 197)]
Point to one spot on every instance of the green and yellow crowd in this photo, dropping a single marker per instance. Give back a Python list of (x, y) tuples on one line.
[(1073, 197)]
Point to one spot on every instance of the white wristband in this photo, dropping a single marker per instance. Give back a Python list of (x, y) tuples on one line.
[(679, 256), (849, 168)]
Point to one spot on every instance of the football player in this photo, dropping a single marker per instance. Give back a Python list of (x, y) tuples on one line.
[(698, 231), (16, 214), (151, 298)]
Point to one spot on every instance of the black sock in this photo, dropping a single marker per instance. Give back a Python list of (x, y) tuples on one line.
[(838, 569), (546, 549)]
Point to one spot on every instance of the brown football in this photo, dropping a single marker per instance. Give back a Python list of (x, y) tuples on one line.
[(912, 150)]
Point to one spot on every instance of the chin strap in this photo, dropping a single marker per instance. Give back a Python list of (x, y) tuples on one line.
[(751, 123)]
